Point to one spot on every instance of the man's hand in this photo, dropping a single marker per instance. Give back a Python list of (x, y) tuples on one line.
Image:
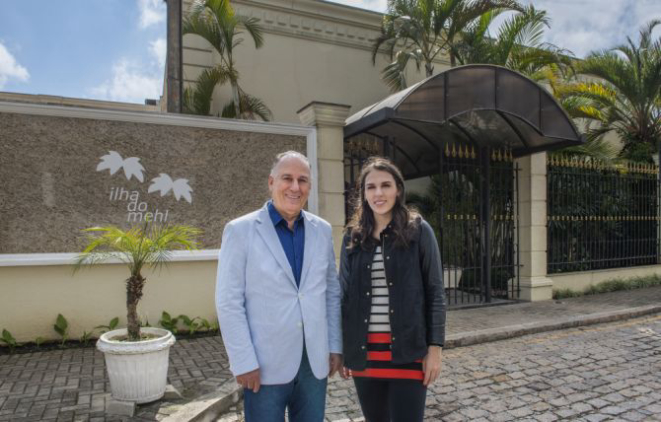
[(345, 373), (249, 380), (335, 364), (431, 365)]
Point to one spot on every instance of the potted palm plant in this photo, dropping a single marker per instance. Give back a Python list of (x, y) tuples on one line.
[(136, 358)]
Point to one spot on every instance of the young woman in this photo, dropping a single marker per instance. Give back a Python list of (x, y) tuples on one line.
[(393, 302)]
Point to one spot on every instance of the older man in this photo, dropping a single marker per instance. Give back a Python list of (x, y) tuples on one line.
[(278, 300)]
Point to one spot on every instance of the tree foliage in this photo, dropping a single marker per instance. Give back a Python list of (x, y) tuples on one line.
[(216, 22), (419, 30), (620, 92), (518, 44)]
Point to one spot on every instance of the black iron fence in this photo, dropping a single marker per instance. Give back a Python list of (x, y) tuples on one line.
[(601, 216), (478, 269)]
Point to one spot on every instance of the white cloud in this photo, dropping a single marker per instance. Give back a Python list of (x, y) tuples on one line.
[(10, 69), (582, 26), (130, 82), (151, 12), (135, 80), (158, 49)]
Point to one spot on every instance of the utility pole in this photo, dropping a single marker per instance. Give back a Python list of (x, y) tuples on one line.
[(174, 61)]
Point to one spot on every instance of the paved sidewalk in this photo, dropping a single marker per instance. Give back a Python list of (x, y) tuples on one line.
[(71, 385), (478, 325)]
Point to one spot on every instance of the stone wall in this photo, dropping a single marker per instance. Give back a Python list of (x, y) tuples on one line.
[(56, 177)]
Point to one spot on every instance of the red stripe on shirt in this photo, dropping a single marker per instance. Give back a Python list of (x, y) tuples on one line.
[(390, 373), (382, 338), (380, 356)]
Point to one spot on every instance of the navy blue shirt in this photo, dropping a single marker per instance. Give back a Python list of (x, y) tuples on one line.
[(292, 241)]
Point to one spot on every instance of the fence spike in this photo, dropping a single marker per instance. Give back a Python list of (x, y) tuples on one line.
[(447, 150)]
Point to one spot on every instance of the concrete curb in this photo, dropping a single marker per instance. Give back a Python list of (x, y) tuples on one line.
[(518, 330), (209, 407)]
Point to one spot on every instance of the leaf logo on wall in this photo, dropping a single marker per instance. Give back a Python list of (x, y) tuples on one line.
[(113, 162), (164, 184)]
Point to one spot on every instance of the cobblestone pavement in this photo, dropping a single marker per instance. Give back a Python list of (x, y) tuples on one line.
[(72, 385), (603, 372)]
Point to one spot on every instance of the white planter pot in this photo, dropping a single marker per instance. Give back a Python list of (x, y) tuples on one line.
[(452, 277), (138, 370)]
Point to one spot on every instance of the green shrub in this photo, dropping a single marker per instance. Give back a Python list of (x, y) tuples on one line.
[(168, 322), (61, 327), (111, 325), (9, 340), (614, 285)]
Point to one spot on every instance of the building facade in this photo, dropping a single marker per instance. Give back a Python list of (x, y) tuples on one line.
[(313, 51)]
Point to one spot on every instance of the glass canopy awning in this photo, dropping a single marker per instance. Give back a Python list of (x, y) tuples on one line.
[(484, 105)]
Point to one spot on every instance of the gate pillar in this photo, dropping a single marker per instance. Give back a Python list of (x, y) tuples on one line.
[(534, 283), (328, 158)]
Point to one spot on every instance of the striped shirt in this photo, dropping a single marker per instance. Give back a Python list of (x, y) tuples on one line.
[(379, 355)]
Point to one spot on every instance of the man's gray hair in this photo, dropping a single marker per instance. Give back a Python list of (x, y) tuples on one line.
[(286, 155)]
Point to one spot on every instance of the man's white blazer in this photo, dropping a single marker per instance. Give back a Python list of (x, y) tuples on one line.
[(263, 315)]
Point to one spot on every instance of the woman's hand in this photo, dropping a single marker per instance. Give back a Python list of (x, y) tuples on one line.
[(431, 365), (345, 373)]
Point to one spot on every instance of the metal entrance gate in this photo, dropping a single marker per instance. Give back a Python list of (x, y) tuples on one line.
[(479, 253)]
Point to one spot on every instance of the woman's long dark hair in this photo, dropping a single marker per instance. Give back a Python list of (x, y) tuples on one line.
[(404, 220)]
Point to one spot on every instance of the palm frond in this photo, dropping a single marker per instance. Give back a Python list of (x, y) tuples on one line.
[(197, 99), (136, 247), (596, 147), (250, 108), (394, 74)]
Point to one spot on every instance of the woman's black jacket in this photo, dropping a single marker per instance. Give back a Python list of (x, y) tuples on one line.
[(416, 296)]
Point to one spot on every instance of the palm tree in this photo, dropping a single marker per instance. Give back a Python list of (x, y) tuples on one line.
[(138, 247), (517, 46), (419, 30), (625, 98), (216, 22)]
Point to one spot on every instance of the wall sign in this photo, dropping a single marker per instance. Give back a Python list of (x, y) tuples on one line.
[(137, 210)]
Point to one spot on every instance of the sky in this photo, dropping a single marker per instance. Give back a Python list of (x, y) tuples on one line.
[(100, 49), (115, 49)]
